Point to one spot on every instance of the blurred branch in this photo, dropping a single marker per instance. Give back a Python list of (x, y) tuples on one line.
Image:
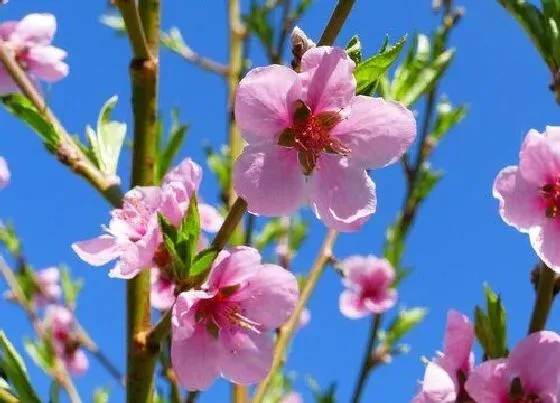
[(203, 62), (367, 359), (288, 329), (338, 18), (67, 151)]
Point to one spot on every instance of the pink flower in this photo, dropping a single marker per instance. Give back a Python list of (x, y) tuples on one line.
[(292, 397), (223, 328), (48, 288), (445, 376), (133, 235), (61, 324), (311, 139), (529, 194), (30, 42), (4, 173), (530, 374), (368, 281)]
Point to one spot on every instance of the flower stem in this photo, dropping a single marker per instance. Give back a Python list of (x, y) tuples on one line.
[(287, 331), (144, 75), (367, 359), (338, 18), (67, 151), (134, 29), (543, 299), (230, 223)]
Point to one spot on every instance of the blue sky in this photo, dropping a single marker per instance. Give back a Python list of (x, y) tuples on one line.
[(458, 243)]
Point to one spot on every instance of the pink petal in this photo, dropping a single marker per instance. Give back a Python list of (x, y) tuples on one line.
[(553, 133), (539, 159), (545, 240), (520, 204), (264, 102), (195, 360), (351, 306), (438, 386), (183, 315), (458, 341), (4, 171), (342, 196), (97, 251), (48, 276), (269, 179), (234, 267), (328, 78), (489, 382), (7, 85), (270, 296), (382, 302), (6, 29), (35, 28), (162, 291), (45, 63), (174, 202), (77, 363), (210, 219), (535, 361), (292, 397), (188, 173), (248, 366), (378, 132)]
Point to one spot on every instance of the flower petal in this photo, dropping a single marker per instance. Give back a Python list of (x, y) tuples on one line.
[(264, 102), (520, 204), (195, 360), (188, 172), (77, 363), (327, 73), (270, 296), (458, 341), (269, 179), (97, 251), (378, 132), (183, 323), (210, 219), (489, 382), (6, 29), (248, 366), (351, 306), (545, 240), (535, 361), (7, 84), (35, 29), (45, 63), (234, 267), (342, 196), (162, 290), (438, 386), (539, 159), (382, 302)]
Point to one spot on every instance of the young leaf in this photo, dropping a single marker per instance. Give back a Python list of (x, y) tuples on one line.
[(113, 21), (190, 228), (257, 21), (69, 287), (403, 323), (177, 136), (446, 118), (272, 230), (13, 366), (202, 262), (41, 353), (101, 395), (22, 108), (370, 70), (354, 49)]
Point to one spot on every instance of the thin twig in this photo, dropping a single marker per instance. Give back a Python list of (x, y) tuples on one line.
[(67, 150), (338, 18), (287, 331), (367, 359), (543, 299), (203, 62)]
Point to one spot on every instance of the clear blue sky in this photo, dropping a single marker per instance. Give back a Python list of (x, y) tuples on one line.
[(458, 243)]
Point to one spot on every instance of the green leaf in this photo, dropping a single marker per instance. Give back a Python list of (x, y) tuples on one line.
[(298, 233), (404, 322), (22, 108), (202, 262), (113, 21), (271, 232), (354, 49), (369, 71), (446, 118), (41, 352), (491, 328), (174, 41), (176, 138), (257, 21), (101, 395), (534, 24), (12, 364), (9, 238), (26, 282), (54, 392), (426, 182), (107, 142), (69, 287), (190, 226)]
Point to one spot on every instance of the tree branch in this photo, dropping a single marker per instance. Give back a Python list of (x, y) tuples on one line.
[(338, 18), (543, 299)]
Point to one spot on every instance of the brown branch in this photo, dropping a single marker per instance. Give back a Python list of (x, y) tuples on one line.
[(338, 18), (67, 150)]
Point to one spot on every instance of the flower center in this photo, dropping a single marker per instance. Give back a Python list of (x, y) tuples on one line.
[(310, 136), (518, 394), (550, 193), (530, 398)]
